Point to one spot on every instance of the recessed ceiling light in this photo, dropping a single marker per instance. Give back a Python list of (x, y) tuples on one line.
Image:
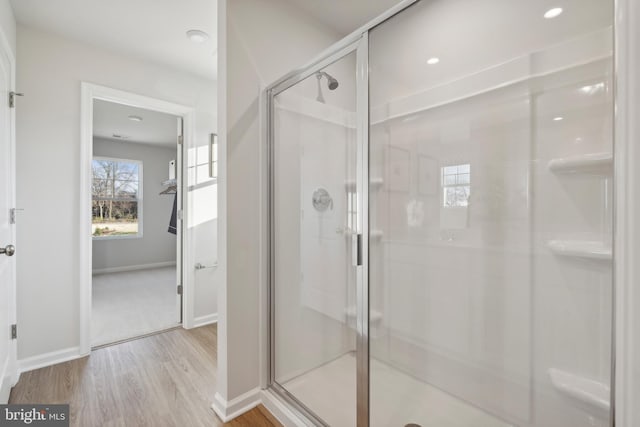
[(433, 61), (197, 36), (553, 13), (557, 119), (135, 118), (592, 89)]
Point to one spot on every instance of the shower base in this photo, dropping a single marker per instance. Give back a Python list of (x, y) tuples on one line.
[(397, 399)]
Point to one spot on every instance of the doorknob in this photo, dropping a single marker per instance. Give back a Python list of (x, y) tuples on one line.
[(9, 250)]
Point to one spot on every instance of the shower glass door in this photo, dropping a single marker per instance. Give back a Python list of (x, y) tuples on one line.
[(490, 218), (316, 214)]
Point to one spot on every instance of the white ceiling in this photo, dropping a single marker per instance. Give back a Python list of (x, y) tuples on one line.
[(344, 16), (150, 29), (155, 128)]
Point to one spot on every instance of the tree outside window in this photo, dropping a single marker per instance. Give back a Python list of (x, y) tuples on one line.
[(116, 198)]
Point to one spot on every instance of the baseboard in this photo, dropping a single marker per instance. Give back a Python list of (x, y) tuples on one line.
[(5, 383), (205, 320), (279, 410), (133, 267), (48, 359), (228, 410)]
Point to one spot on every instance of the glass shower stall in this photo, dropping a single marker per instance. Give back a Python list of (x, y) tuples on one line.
[(440, 219)]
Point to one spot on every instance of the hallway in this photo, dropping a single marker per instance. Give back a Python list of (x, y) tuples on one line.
[(168, 379)]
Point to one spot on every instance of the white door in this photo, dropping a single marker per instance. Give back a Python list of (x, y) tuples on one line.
[(179, 222), (7, 235)]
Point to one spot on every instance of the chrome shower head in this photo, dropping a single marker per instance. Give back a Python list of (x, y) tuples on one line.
[(332, 82)]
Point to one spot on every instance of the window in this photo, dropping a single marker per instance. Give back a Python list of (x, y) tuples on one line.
[(202, 172), (456, 185), (116, 198), (203, 164)]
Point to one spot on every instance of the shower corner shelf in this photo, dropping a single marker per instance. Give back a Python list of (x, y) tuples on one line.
[(376, 234), (375, 183), (375, 317), (591, 392), (593, 163), (580, 249)]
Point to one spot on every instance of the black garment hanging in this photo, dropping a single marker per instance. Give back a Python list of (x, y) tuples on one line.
[(174, 216)]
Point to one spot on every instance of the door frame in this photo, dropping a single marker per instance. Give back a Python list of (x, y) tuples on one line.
[(89, 93), (626, 249), (12, 315)]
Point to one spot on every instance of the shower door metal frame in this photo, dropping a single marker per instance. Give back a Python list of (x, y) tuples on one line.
[(357, 41), (360, 47)]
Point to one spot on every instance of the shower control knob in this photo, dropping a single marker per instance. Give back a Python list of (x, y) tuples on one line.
[(8, 250), (321, 200)]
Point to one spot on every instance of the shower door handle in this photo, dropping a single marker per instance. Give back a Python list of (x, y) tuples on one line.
[(356, 249)]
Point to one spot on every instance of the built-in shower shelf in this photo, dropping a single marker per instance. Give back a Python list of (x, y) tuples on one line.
[(375, 183), (581, 249), (375, 317), (594, 393), (593, 163), (375, 234)]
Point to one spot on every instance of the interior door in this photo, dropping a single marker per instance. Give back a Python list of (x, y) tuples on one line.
[(180, 229), (7, 236)]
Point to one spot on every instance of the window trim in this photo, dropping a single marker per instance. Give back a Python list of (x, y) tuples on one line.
[(139, 199)]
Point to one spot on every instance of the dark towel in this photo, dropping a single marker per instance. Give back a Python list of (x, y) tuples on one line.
[(174, 216)]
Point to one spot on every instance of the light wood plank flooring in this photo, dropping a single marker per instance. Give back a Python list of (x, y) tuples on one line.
[(168, 379)]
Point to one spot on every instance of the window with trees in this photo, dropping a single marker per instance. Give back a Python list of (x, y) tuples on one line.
[(116, 198), (456, 185)]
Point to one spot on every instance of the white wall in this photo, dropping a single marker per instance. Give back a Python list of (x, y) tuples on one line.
[(156, 245), (258, 47), (8, 24), (50, 70)]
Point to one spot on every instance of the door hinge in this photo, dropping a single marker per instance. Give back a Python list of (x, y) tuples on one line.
[(14, 331), (179, 289), (13, 215), (180, 214), (180, 139), (12, 98)]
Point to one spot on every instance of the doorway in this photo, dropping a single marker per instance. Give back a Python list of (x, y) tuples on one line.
[(134, 222), (134, 166)]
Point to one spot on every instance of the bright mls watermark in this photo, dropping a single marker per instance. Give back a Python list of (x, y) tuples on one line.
[(34, 415)]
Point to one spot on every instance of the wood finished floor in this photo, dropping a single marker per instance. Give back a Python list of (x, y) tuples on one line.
[(168, 379)]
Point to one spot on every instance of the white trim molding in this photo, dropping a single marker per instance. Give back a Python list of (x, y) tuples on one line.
[(209, 319), (133, 267), (89, 93), (228, 410), (281, 411), (48, 359), (627, 213), (6, 383)]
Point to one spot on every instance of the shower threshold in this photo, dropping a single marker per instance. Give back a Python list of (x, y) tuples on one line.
[(397, 399)]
